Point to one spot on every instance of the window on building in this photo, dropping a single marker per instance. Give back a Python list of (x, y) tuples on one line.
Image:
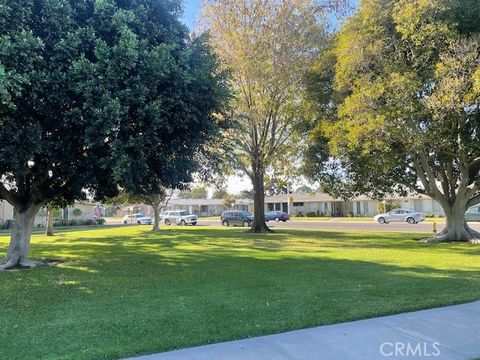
[(359, 207), (270, 206), (298, 204), (204, 208)]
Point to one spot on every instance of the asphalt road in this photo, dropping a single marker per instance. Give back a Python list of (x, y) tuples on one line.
[(340, 225), (349, 225)]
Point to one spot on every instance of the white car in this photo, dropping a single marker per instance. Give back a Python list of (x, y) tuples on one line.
[(180, 218), (400, 215), (139, 219)]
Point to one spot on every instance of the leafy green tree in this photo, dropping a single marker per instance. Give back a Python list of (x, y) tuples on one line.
[(246, 194), (158, 201), (199, 192), (228, 201), (304, 189), (398, 102), (267, 46), (97, 96), (219, 193)]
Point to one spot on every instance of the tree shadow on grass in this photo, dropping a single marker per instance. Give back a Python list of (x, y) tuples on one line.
[(130, 294)]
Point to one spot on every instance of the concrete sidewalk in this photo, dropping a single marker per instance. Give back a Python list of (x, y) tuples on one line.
[(451, 332)]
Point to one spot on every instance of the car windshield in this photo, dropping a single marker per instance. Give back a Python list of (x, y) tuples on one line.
[(139, 215), (246, 213), (184, 213)]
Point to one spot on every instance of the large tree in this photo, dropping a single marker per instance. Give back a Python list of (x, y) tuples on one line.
[(267, 45), (397, 97), (97, 95)]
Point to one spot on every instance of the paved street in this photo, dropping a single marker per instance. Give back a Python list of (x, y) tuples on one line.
[(339, 225), (349, 225), (447, 333)]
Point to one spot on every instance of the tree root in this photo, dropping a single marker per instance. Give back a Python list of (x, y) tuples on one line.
[(469, 235), (20, 263), (263, 230)]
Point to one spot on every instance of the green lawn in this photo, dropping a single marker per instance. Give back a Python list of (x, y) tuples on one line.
[(126, 291)]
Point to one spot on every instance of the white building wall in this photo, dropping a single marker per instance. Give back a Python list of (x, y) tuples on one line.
[(6, 211)]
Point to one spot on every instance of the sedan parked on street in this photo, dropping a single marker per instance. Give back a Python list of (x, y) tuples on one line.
[(239, 218), (400, 215), (473, 214), (182, 217), (277, 216), (139, 219)]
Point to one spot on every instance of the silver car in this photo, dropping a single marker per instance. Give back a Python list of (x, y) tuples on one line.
[(400, 215), (180, 218), (473, 214), (139, 219)]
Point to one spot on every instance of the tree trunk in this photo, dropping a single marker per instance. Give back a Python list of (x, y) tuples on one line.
[(49, 231), (156, 217), (456, 228), (259, 225), (17, 254)]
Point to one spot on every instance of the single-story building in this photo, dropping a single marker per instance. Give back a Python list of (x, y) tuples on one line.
[(324, 205), (208, 207), (80, 211), (300, 204)]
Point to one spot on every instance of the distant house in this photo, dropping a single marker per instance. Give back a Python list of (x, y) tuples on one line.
[(325, 205), (78, 211), (320, 204), (208, 207)]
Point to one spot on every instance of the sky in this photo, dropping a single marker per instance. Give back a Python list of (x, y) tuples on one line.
[(192, 10), (235, 184)]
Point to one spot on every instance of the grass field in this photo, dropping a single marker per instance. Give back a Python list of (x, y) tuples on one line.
[(126, 291)]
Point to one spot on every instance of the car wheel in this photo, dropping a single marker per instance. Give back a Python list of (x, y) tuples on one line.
[(167, 222), (277, 219), (411, 220), (125, 222), (194, 223), (139, 222), (246, 224), (381, 220), (183, 223), (284, 220), (225, 223)]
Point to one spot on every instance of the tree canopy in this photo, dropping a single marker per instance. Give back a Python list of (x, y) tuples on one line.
[(397, 101), (98, 95), (267, 46)]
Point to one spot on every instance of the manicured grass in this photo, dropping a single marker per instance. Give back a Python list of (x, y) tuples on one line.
[(127, 291)]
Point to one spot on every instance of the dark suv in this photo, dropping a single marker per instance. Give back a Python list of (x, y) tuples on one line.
[(240, 218)]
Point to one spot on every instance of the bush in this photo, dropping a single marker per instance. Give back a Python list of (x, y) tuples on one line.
[(101, 221), (311, 214), (77, 212), (73, 222), (89, 222)]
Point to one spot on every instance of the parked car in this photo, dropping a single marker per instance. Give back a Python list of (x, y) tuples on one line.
[(473, 213), (181, 217), (236, 218), (139, 219), (400, 215), (277, 216)]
